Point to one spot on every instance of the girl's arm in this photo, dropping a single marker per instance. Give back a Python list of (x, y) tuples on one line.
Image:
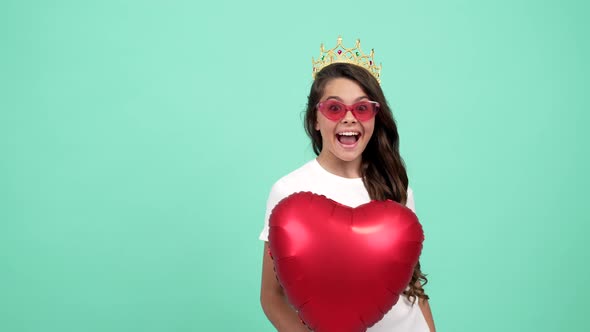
[(274, 302), (426, 312)]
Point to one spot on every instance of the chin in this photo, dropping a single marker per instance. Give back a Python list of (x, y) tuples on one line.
[(347, 156)]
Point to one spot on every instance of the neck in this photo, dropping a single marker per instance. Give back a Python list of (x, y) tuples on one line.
[(346, 169)]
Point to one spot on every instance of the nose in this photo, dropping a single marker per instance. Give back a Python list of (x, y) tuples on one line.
[(349, 117)]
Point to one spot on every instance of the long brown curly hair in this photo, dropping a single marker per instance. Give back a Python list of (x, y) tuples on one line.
[(382, 168)]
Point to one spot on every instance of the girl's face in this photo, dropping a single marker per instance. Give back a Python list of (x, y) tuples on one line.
[(344, 139)]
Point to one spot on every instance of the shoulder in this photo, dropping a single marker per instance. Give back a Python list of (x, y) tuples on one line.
[(410, 203), (295, 178), (292, 182)]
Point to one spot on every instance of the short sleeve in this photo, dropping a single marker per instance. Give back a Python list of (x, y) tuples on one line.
[(277, 193), (410, 200)]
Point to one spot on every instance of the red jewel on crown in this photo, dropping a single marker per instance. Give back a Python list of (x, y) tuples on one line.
[(339, 52)]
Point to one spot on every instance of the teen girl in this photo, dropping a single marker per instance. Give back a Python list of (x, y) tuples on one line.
[(353, 132)]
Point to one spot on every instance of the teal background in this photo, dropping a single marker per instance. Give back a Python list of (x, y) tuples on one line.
[(139, 141)]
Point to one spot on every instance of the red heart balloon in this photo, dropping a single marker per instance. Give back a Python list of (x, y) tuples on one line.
[(343, 268)]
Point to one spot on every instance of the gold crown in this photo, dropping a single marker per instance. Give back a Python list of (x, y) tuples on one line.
[(347, 55)]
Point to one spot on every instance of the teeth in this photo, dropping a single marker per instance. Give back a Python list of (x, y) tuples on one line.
[(349, 133)]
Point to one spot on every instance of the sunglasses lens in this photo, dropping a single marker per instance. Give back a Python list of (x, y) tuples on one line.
[(365, 110), (332, 109)]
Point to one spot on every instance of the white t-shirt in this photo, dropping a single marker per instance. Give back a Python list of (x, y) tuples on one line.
[(404, 316)]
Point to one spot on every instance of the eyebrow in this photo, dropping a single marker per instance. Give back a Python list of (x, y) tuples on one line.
[(340, 99)]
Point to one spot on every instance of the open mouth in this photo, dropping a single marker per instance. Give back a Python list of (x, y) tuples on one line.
[(348, 138)]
